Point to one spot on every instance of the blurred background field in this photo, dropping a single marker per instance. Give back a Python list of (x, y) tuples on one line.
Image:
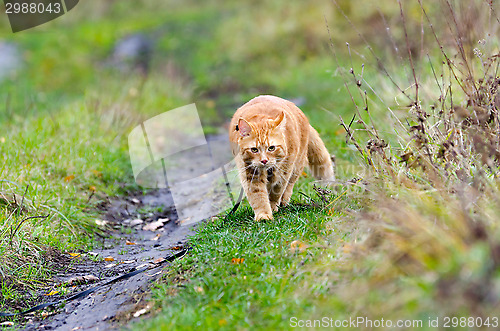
[(80, 83)]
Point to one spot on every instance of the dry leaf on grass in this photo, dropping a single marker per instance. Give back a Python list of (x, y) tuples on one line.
[(298, 246), (97, 173), (69, 178), (237, 260), (109, 258)]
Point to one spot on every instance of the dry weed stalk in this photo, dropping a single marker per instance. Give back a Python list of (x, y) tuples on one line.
[(435, 215)]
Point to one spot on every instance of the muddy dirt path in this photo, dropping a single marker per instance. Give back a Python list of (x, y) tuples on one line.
[(146, 228), (115, 305)]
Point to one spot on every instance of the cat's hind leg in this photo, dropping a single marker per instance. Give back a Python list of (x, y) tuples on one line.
[(275, 194)]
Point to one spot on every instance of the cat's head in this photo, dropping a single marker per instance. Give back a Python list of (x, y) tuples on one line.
[(262, 142)]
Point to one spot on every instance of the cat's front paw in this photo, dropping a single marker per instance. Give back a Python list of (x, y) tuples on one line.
[(263, 217), (275, 206)]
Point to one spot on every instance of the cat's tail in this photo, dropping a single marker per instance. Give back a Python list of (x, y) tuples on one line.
[(320, 161)]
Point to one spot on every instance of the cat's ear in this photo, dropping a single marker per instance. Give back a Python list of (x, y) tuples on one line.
[(244, 128), (279, 120)]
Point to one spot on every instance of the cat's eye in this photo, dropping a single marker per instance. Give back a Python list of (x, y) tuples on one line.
[(254, 150), (271, 148)]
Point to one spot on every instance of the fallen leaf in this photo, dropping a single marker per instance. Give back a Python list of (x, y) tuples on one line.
[(109, 258), (136, 222), (101, 222), (158, 260), (129, 243), (298, 245), (128, 262), (141, 311), (53, 292), (73, 255), (156, 237), (237, 260), (79, 280), (153, 226), (304, 174), (69, 178), (97, 173)]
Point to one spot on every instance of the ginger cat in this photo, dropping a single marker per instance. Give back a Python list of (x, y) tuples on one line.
[(272, 142)]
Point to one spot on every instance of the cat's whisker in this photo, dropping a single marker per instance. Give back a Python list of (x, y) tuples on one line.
[(240, 171)]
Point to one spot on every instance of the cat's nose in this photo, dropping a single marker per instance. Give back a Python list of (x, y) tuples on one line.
[(263, 161)]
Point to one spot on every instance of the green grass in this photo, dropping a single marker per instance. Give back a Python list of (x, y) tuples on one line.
[(244, 274), (63, 165)]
